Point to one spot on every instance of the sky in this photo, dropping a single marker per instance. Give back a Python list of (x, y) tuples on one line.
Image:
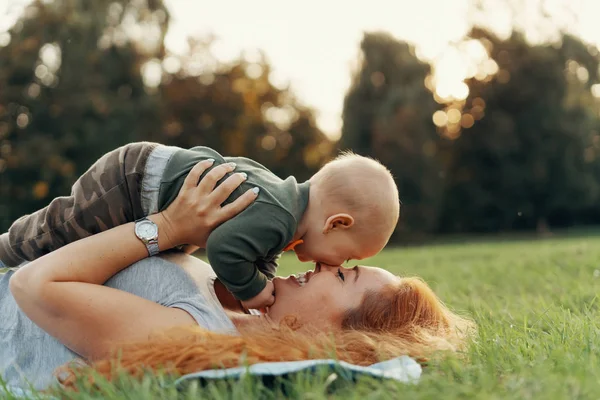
[(313, 45)]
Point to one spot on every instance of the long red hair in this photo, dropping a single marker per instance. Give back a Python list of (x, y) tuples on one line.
[(402, 319)]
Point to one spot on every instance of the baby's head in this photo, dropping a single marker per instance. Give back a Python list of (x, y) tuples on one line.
[(352, 211)]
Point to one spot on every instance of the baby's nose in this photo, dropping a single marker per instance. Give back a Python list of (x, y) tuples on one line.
[(327, 266)]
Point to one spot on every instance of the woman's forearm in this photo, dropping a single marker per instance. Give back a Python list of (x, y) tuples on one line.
[(91, 260), (62, 293)]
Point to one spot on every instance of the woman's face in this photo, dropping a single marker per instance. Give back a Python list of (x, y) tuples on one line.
[(321, 297)]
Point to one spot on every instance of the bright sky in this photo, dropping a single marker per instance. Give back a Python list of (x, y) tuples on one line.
[(314, 44)]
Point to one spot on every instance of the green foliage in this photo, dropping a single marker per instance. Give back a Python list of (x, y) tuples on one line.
[(73, 88), (71, 91), (235, 109), (387, 115), (526, 157), (530, 161)]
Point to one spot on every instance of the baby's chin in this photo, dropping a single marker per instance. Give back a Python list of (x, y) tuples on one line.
[(303, 258)]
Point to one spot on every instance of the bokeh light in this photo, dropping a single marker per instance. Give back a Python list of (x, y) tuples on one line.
[(453, 131), (254, 71), (467, 121), (440, 118), (582, 74), (33, 90), (268, 142), (22, 120), (171, 64), (50, 55), (152, 73), (4, 39), (453, 116)]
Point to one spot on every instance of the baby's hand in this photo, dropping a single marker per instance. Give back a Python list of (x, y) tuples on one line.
[(264, 299)]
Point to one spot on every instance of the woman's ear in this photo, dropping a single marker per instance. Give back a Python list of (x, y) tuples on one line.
[(338, 221)]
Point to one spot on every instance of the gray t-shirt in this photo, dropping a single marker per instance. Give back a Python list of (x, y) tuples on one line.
[(29, 354)]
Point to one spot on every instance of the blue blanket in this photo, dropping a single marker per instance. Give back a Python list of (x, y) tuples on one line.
[(401, 369)]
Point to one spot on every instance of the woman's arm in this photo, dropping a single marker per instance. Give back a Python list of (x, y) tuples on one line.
[(62, 292)]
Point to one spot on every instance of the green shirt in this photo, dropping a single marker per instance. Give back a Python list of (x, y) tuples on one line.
[(244, 250)]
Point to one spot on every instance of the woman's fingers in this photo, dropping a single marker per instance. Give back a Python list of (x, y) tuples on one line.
[(197, 209), (191, 181), (208, 183), (225, 189), (240, 204)]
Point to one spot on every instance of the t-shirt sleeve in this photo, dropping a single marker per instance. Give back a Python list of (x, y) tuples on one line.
[(234, 248), (166, 283)]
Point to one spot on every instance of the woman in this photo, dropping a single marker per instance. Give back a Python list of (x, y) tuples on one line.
[(85, 302)]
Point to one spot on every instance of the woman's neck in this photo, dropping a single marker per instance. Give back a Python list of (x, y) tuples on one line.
[(227, 300), (240, 317)]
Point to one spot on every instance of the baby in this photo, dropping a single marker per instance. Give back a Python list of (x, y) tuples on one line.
[(347, 210)]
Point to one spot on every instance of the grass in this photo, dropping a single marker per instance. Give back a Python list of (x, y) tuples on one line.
[(536, 306)]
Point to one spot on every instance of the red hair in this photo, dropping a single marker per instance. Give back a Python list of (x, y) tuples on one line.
[(402, 319)]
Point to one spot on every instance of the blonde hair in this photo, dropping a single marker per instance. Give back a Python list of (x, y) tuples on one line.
[(362, 186), (403, 319)]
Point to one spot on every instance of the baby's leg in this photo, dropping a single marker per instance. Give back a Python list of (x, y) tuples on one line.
[(106, 195)]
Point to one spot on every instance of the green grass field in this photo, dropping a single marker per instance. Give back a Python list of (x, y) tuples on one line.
[(536, 306)]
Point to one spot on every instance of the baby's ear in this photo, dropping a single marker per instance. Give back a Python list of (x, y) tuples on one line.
[(338, 221)]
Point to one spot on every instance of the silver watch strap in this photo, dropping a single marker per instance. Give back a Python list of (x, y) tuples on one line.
[(152, 247)]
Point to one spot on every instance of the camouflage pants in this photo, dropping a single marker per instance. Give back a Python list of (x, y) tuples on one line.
[(121, 187)]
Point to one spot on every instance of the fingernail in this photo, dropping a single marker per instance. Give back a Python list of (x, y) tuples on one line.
[(244, 175), (256, 190), (232, 164), (211, 160)]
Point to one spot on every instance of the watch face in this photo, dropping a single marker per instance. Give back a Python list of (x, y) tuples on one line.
[(146, 229)]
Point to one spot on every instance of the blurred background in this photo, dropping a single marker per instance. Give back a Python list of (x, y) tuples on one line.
[(487, 112)]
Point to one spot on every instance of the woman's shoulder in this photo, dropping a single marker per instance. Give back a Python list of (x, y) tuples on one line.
[(153, 278), (176, 280)]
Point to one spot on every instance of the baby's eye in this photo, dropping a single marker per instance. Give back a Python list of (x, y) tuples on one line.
[(341, 275)]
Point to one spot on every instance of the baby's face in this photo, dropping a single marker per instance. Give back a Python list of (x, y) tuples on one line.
[(336, 247)]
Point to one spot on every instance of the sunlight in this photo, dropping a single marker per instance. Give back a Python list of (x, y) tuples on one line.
[(171, 64), (152, 73), (254, 71), (282, 117), (4, 39), (50, 55), (440, 118), (448, 74)]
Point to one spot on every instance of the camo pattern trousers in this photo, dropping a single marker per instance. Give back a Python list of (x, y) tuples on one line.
[(108, 194)]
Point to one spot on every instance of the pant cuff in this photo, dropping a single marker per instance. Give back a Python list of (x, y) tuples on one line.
[(8, 257)]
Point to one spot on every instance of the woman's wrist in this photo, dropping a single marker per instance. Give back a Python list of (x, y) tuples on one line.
[(167, 238)]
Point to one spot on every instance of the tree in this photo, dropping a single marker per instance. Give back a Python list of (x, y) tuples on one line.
[(388, 115), (235, 109), (528, 160), (81, 78), (71, 90)]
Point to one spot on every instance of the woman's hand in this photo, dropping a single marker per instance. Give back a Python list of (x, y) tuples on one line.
[(197, 209)]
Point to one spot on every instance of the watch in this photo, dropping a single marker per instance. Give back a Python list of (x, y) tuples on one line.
[(147, 232)]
